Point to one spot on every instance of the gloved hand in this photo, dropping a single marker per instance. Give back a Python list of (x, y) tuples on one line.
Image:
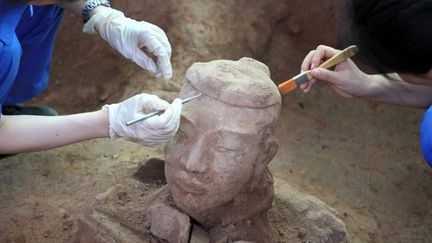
[(158, 129), (128, 36)]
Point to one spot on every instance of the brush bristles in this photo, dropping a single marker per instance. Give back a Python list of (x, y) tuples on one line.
[(287, 86)]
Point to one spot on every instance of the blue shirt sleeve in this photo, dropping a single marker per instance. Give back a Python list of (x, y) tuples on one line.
[(36, 35), (426, 136), (9, 64), (27, 37), (10, 47)]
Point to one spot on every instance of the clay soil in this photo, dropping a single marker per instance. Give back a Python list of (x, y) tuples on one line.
[(361, 158)]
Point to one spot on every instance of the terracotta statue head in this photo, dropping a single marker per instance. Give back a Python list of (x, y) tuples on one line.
[(216, 167)]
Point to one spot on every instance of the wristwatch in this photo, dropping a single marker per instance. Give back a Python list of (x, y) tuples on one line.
[(90, 6)]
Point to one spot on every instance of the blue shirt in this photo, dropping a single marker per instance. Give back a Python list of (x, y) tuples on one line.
[(27, 37), (10, 48)]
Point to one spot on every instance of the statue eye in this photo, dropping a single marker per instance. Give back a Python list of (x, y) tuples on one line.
[(225, 150), (221, 149)]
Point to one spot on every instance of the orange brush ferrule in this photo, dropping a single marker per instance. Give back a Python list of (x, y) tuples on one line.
[(287, 86), (290, 85)]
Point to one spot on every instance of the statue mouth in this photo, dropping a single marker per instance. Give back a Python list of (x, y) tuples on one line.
[(189, 184), (188, 189)]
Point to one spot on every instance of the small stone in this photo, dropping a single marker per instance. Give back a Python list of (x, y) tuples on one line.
[(63, 213), (67, 225), (102, 197), (123, 198), (301, 234), (38, 216), (169, 223), (104, 96)]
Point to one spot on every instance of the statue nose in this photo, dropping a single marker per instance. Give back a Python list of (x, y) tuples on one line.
[(195, 161)]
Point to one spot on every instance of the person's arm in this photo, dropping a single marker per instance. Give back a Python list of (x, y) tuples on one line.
[(128, 36), (349, 81), (398, 92), (24, 133)]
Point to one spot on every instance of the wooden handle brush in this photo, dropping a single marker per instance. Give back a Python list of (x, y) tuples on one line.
[(291, 84)]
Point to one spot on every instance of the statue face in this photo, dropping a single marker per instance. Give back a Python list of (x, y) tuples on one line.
[(212, 157), (217, 162)]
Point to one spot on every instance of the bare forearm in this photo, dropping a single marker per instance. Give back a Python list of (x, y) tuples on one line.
[(35, 133), (399, 92)]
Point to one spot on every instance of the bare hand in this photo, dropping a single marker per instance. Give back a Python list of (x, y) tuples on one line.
[(346, 79)]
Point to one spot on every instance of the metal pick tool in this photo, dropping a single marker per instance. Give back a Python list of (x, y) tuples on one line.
[(154, 113)]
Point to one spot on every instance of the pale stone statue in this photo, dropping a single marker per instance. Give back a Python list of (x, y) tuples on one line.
[(219, 188), (216, 167)]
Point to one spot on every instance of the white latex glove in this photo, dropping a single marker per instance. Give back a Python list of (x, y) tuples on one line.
[(158, 129), (128, 36)]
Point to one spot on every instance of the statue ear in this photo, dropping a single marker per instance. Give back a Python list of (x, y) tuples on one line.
[(270, 148)]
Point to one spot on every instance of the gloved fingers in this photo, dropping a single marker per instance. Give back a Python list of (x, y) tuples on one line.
[(164, 60), (155, 130), (170, 119), (155, 40), (152, 43), (159, 46), (144, 61), (129, 107), (160, 34), (152, 103), (175, 110), (160, 136), (161, 69), (164, 67)]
